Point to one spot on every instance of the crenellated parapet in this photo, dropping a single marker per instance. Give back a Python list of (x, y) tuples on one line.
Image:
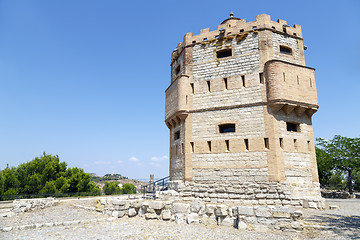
[(236, 27)]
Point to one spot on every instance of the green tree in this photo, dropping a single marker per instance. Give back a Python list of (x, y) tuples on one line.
[(111, 188), (93, 188), (49, 188), (10, 181), (357, 180), (2, 183), (128, 188), (345, 153), (45, 174), (325, 166)]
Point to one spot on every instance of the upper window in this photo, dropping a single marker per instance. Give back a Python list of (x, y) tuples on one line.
[(177, 135), (177, 70), (292, 127), (285, 50), (224, 53), (226, 128)]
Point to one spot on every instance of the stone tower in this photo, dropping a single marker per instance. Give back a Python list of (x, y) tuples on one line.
[(239, 111)]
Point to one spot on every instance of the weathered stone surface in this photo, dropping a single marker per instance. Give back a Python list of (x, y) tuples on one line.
[(7, 229), (179, 218), (313, 205), (166, 214), (334, 207), (192, 218), (244, 211), (197, 206), (132, 212), (296, 225), (115, 214), (296, 215), (150, 216), (228, 221), (156, 205), (242, 225), (281, 212), (181, 207), (221, 211), (262, 212)]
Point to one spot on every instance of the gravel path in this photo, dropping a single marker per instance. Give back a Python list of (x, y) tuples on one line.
[(65, 221)]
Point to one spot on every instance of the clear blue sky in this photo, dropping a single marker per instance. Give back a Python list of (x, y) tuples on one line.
[(85, 80)]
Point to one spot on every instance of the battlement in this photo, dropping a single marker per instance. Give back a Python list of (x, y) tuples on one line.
[(236, 26)]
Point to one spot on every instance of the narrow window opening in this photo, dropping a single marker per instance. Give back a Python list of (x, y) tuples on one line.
[(294, 34), (292, 127), (229, 25), (241, 30), (227, 145), (186, 99), (309, 147), (295, 144), (298, 81), (177, 70), (224, 53), (284, 76), (284, 30), (208, 85), (226, 128), (192, 146), (266, 142), (273, 27), (310, 83), (193, 41), (226, 83), (243, 80), (285, 50), (261, 76), (176, 135), (209, 145), (246, 141), (192, 88), (182, 148), (281, 141)]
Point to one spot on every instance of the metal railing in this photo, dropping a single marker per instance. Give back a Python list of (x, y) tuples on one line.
[(149, 191)]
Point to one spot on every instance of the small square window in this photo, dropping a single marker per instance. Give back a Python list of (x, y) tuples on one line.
[(292, 127), (226, 128), (224, 53), (177, 70), (176, 135), (285, 50)]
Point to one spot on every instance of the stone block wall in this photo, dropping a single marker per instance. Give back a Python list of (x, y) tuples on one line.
[(200, 212), (247, 193), (24, 205)]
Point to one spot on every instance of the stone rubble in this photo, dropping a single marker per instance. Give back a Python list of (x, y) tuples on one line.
[(77, 219)]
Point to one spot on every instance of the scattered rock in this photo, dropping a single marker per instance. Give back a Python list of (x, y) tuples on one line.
[(132, 212), (192, 218), (166, 215)]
